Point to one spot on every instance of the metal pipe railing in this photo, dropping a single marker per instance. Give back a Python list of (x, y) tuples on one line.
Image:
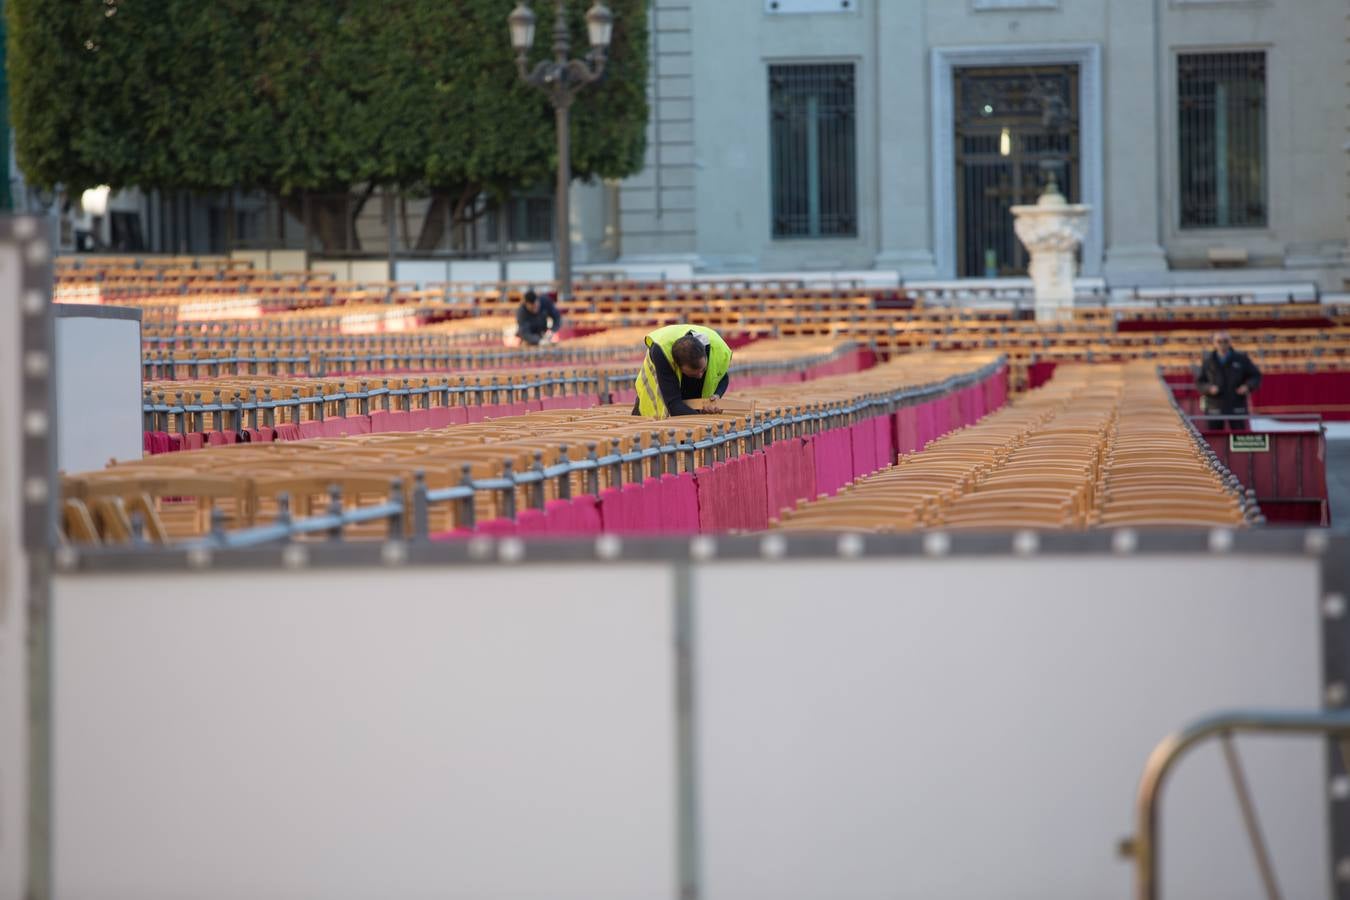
[(760, 432), (1144, 846)]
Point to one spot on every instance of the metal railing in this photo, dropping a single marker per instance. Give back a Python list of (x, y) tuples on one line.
[(257, 407), (1144, 846), (407, 511)]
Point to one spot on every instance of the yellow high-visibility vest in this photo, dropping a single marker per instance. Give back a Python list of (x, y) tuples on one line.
[(650, 402)]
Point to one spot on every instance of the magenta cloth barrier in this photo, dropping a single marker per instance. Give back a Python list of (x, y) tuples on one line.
[(387, 420), (790, 474), (881, 433), (576, 401), (497, 528), (287, 431), (863, 445), (906, 429), (733, 496), (220, 438), (194, 440), (679, 504), (503, 410), (420, 419), (926, 423), (577, 517), (532, 523), (312, 430), (631, 509), (623, 398), (344, 425), (1038, 373), (533, 405), (474, 414), (443, 416), (833, 459)]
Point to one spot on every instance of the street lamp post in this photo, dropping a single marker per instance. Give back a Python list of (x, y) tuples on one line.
[(561, 78)]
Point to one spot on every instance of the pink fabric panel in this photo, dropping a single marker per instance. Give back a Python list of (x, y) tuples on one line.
[(383, 421), (475, 413), (833, 460), (497, 528), (175, 443), (927, 422), (534, 405), (218, 438), (339, 425), (313, 429), (503, 410), (575, 517), (288, 431), (532, 522), (789, 473), (679, 507), (194, 440), (906, 429), (623, 398), (885, 449), (419, 419), (863, 447)]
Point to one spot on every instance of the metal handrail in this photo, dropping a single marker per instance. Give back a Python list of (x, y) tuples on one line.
[(761, 432), (1144, 846)]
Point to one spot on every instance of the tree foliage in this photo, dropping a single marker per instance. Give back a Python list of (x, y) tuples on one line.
[(308, 95)]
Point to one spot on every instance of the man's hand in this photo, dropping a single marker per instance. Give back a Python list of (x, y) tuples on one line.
[(1242, 389), (1213, 390), (710, 405)]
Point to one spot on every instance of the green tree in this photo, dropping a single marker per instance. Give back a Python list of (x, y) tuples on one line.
[(321, 96)]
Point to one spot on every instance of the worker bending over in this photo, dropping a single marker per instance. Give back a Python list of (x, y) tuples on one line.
[(683, 362)]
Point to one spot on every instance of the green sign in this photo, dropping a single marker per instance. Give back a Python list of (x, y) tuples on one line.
[(1249, 443)]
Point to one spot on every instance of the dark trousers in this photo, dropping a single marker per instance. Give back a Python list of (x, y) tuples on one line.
[(1229, 424)]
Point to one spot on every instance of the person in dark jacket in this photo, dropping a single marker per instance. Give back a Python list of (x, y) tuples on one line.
[(1226, 381), (536, 318)]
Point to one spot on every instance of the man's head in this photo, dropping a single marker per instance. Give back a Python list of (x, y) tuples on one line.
[(1222, 342), (532, 301), (691, 358)]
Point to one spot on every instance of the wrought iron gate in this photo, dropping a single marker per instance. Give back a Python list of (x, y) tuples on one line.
[(1014, 127)]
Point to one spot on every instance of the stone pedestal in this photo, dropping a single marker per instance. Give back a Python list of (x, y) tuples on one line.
[(1052, 231)]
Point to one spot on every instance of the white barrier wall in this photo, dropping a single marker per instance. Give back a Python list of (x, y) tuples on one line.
[(876, 728), (98, 385)]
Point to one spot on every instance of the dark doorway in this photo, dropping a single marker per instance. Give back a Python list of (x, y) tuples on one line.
[(1015, 127)]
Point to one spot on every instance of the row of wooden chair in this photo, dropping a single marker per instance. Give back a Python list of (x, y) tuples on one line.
[(244, 482), (1099, 446)]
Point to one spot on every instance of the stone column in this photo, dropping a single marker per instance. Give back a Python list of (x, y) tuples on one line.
[(1052, 231)]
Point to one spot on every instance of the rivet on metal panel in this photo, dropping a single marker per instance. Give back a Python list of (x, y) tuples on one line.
[(394, 553), (25, 228), (199, 557), (1125, 541), (511, 550), (703, 548), (1220, 540), (295, 556), (937, 544), (1343, 869), (608, 546), (1315, 542), (34, 303), (1333, 606), (35, 423), (66, 558), (851, 546), (1026, 543), (773, 546), (1336, 694), (1340, 787), (35, 364), (36, 253), (480, 548), (35, 489)]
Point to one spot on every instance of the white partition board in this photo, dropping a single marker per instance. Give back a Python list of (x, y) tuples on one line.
[(422, 272), (98, 391), (357, 734), (976, 728), (540, 270), (484, 270)]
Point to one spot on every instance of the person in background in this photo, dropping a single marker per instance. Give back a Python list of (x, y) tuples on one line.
[(683, 362), (536, 319), (1226, 381)]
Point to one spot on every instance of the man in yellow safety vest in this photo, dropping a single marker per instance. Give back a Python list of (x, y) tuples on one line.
[(683, 362)]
